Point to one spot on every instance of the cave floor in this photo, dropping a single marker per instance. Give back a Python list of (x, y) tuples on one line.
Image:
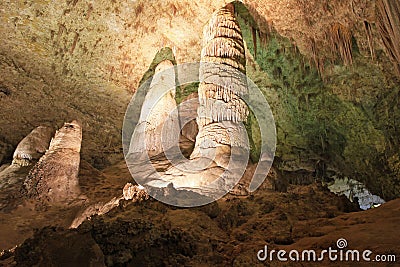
[(228, 232)]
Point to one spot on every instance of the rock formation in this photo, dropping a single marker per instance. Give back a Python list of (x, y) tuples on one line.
[(26, 154), (54, 178), (33, 146), (187, 117), (221, 111), (220, 154), (129, 192), (158, 126)]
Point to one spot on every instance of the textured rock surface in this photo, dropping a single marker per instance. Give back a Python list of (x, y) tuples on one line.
[(19, 218), (220, 110), (61, 60), (25, 156), (227, 233), (187, 116), (158, 126), (33, 146), (129, 192), (54, 179)]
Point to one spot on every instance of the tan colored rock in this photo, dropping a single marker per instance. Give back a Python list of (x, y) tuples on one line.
[(220, 113), (33, 146), (187, 116), (129, 192), (158, 126), (134, 192), (221, 109), (54, 179), (28, 151)]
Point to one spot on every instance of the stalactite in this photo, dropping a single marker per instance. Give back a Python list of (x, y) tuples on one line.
[(340, 38), (318, 61), (388, 20), (368, 31), (254, 35)]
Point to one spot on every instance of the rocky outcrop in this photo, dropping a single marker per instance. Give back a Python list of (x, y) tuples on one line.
[(54, 179), (228, 232), (129, 192)]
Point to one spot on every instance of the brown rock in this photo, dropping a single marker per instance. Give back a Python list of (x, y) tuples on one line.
[(33, 146), (54, 178)]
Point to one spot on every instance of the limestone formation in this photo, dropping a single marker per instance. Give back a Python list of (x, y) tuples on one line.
[(26, 154), (221, 108), (131, 192), (187, 116), (33, 146), (221, 147), (134, 192), (158, 125), (54, 179)]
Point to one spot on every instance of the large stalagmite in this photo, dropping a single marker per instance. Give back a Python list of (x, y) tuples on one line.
[(158, 115), (221, 111), (54, 179), (28, 152), (221, 149)]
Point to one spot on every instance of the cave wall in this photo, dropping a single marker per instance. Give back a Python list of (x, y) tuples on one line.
[(79, 59), (335, 116), (64, 60)]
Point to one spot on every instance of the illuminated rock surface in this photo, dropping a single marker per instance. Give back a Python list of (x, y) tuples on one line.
[(329, 70)]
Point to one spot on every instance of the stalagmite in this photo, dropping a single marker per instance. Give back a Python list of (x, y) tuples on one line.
[(33, 146), (158, 115), (28, 151), (54, 178), (26, 154), (221, 150), (221, 111)]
